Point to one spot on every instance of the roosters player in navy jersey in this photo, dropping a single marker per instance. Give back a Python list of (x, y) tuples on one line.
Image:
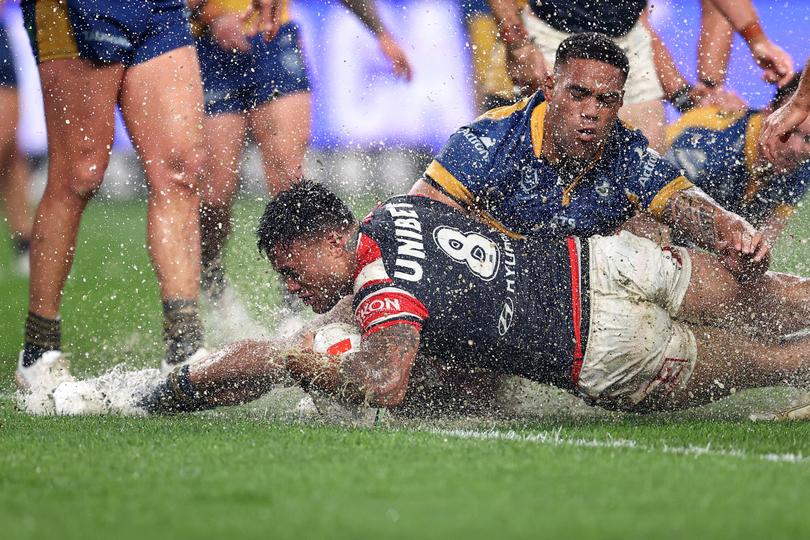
[(562, 163), (602, 317)]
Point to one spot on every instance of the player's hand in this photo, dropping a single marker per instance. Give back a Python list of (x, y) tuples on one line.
[(227, 31), (778, 127), (743, 250), (776, 64), (725, 100), (263, 17), (526, 67), (394, 53)]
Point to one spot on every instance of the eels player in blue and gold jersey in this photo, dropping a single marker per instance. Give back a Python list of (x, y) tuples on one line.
[(92, 56), (13, 165), (254, 84), (718, 151), (564, 164)]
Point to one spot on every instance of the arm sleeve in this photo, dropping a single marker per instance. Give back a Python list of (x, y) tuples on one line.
[(651, 179), (379, 300)]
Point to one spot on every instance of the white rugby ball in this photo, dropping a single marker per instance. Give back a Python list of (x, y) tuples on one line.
[(336, 339)]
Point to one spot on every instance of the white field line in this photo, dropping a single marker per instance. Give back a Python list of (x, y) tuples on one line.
[(556, 438)]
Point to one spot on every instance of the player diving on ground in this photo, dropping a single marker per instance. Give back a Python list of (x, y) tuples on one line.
[(616, 320)]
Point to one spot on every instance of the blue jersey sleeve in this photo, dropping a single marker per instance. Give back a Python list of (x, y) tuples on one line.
[(651, 180)]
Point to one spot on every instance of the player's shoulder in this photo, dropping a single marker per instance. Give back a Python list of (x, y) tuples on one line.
[(707, 119)]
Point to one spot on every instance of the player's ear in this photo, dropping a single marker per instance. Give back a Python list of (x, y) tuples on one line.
[(336, 242), (548, 86)]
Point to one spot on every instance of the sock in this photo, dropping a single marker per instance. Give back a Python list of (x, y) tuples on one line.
[(182, 329), (175, 395), (20, 244), (215, 226), (41, 335)]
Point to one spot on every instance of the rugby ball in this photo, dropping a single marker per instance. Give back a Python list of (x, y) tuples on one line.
[(336, 339)]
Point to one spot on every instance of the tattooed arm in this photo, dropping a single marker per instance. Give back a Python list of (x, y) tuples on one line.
[(377, 375), (741, 248)]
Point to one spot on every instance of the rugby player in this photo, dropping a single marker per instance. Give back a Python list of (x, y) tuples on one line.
[(718, 152), (252, 83), (604, 318), (13, 165), (789, 121), (93, 56)]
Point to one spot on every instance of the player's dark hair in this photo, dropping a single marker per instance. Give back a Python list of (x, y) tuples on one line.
[(307, 208), (592, 46), (784, 93)]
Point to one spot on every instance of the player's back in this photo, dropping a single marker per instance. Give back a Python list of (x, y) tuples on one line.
[(480, 298)]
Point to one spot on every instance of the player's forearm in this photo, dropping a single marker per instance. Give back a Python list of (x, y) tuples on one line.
[(237, 374), (378, 375), (802, 96), (714, 46), (670, 77), (510, 24), (740, 13), (366, 11), (700, 218)]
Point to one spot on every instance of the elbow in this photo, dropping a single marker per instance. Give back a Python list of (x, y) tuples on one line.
[(388, 395)]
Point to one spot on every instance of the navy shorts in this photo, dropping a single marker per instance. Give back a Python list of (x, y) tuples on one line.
[(237, 82), (106, 31), (8, 74)]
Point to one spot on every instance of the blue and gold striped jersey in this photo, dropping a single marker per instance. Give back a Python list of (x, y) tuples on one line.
[(495, 167), (718, 152)]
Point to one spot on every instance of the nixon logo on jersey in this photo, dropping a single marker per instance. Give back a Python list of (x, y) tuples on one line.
[(481, 144), (408, 232), (479, 253), (378, 304)]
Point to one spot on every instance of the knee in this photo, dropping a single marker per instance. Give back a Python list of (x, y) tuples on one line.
[(84, 172), (177, 171)]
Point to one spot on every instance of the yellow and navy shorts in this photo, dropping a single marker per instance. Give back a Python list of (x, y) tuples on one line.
[(106, 31), (8, 74), (236, 82)]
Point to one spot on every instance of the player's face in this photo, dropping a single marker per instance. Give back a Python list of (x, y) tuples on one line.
[(317, 270), (584, 98), (795, 151)]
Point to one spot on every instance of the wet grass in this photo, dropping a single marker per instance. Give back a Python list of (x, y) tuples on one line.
[(243, 472)]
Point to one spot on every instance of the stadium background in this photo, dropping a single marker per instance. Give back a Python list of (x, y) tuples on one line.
[(372, 130)]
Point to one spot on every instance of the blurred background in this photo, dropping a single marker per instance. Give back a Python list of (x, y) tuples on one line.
[(373, 130)]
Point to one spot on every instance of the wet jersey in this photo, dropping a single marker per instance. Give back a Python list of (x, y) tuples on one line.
[(494, 165), (573, 16), (479, 298), (718, 152)]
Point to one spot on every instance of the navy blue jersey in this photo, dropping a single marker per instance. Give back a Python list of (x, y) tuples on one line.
[(479, 298), (8, 74), (718, 152), (495, 166), (573, 16)]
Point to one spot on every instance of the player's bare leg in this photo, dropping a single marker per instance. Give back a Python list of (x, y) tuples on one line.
[(728, 361), (161, 101), (79, 100), (13, 174), (224, 142), (281, 128), (775, 304), (648, 117)]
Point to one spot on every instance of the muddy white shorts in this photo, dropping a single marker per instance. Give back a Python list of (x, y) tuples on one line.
[(635, 348), (642, 81)]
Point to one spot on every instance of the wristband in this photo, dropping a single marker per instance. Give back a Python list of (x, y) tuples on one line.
[(709, 83), (752, 32), (682, 99)]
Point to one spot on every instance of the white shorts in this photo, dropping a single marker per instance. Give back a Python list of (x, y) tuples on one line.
[(635, 348), (642, 82)]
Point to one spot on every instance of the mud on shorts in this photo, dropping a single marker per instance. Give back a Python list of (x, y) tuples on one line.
[(642, 81), (8, 74), (638, 356), (106, 31), (236, 82)]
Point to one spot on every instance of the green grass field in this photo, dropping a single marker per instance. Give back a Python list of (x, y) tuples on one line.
[(563, 471)]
